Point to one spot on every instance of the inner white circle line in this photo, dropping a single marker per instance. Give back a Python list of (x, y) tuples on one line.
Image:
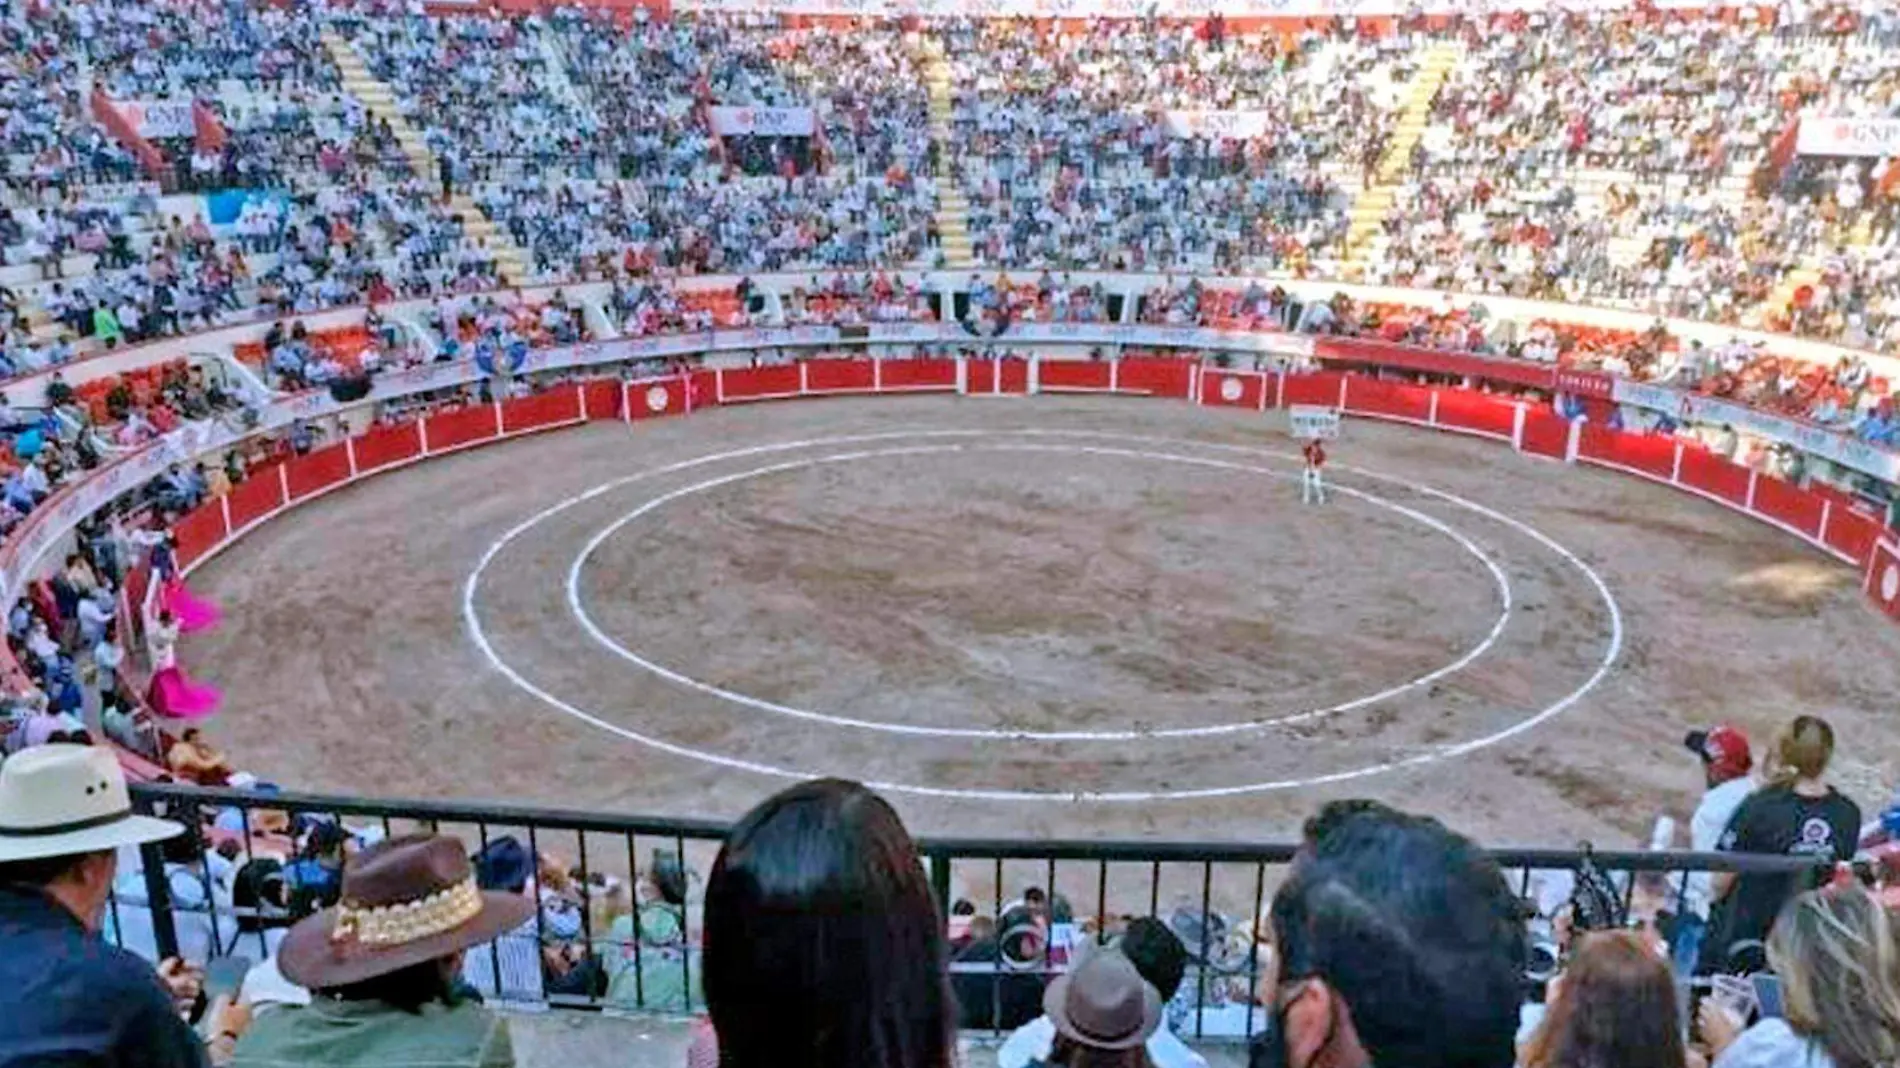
[(1612, 651), (577, 606)]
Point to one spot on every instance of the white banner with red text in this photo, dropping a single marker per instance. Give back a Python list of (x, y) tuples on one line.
[(764, 122), (1830, 135), (1217, 125)]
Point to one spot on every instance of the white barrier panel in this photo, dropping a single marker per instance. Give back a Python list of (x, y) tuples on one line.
[(1842, 449), (1838, 135), (763, 122)]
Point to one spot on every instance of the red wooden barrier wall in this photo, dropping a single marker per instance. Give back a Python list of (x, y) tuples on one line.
[(752, 383), (1546, 433), (1400, 400), (322, 468), (1481, 412), (1710, 473), (1235, 389), (1059, 375), (255, 497), (380, 446), (919, 374), (1153, 376), (550, 408), (199, 531), (1651, 453), (450, 429), (1321, 387), (603, 398), (1791, 504), (839, 376)]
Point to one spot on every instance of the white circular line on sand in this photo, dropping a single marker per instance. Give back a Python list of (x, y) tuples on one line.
[(471, 620), (577, 606)]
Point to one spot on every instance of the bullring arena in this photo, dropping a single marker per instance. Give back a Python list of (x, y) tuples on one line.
[(1070, 615)]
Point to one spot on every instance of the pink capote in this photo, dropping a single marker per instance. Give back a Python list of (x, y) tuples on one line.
[(193, 613)]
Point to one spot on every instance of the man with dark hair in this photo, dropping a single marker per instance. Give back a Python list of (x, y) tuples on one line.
[(1162, 960), (67, 997), (1399, 946)]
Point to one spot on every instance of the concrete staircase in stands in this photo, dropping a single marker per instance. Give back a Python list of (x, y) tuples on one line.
[(1369, 209), (511, 261), (953, 208)]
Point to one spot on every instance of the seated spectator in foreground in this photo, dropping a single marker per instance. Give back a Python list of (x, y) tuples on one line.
[(823, 947), (1104, 1013), (1836, 956), (66, 995), (195, 760), (1399, 946), (1797, 814), (1162, 960), (1615, 1004), (382, 963)]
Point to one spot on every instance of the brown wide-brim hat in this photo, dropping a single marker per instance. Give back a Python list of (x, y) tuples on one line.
[(405, 900), (1104, 1003)]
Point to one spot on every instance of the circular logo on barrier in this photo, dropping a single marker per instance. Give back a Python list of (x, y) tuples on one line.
[(657, 396), (1890, 582), (1230, 389)]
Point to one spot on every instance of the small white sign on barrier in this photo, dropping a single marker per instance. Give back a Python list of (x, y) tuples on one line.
[(1309, 421)]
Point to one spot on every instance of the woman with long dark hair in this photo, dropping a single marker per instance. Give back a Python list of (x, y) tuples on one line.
[(823, 946), (1613, 1007)]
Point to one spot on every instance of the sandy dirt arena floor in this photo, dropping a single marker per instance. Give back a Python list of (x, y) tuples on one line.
[(1049, 617)]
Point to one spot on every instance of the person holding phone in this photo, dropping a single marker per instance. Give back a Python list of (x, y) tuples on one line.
[(1836, 956)]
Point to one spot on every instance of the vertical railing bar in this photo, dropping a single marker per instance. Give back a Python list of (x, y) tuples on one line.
[(996, 965), (686, 956), (1253, 944), (263, 942), (494, 944), (587, 910), (1154, 890), (1200, 982), (633, 896), (540, 916), (1101, 903)]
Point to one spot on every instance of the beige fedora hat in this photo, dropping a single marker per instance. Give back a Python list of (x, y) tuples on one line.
[(62, 800)]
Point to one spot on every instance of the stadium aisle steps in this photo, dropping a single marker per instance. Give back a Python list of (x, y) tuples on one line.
[(953, 208), (1368, 210), (511, 262)]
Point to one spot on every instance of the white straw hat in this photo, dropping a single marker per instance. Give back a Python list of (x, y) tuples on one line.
[(63, 800)]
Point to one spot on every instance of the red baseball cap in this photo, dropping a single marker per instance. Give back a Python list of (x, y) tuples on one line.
[(1724, 749)]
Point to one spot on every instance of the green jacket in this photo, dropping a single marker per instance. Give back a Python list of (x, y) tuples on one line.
[(370, 1034)]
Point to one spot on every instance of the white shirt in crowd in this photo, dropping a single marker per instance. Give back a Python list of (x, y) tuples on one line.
[(1773, 1044), (1711, 818), (1033, 1040)]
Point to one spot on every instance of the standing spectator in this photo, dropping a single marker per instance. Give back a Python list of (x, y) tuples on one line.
[(823, 947), (1399, 945), (1104, 1013), (1726, 763), (1836, 958), (67, 997), (1162, 960), (1794, 814), (1614, 1005), (381, 967)]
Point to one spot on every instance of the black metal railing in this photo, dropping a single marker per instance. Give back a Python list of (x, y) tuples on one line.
[(1017, 908)]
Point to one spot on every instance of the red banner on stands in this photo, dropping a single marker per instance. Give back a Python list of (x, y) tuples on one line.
[(1236, 389), (1056, 376), (208, 127), (840, 376), (1790, 504), (919, 374), (1585, 383), (1653, 454), (1321, 387), (551, 408), (450, 429), (1416, 358), (1154, 376), (198, 532), (124, 131), (319, 470), (1481, 413), (1710, 473), (1399, 400), (255, 497), (384, 445), (757, 383), (1546, 433)]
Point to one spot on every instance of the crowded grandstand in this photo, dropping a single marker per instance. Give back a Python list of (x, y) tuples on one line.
[(254, 252)]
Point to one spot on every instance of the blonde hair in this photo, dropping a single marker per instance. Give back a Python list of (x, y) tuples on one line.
[(1800, 750), (1839, 964)]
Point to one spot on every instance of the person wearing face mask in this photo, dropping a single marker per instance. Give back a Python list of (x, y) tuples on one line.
[(1397, 945)]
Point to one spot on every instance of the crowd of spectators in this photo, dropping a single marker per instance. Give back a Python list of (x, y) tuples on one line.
[(816, 939)]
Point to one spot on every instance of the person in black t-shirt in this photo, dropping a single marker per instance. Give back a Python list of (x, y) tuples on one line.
[(1795, 814)]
